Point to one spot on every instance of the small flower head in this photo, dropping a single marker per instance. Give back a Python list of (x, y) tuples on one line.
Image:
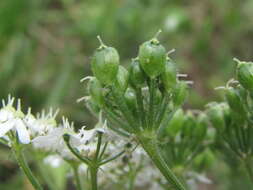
[(11, 119)]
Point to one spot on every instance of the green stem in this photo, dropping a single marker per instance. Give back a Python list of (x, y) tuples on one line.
[(141, 107), (24, 166), (93, 175), (150, 146), (125, 110), (100, 135), (162, 111), (77, 178), (111, 158), (73, 151), (151, 102), (46, 176), (248, 167), (116, 119)]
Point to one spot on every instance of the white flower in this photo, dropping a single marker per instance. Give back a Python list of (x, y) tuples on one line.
[(85, 136), (53, 140), (42, 124), (12, 119)]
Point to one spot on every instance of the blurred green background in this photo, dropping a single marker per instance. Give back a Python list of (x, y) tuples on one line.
[(46, 45)]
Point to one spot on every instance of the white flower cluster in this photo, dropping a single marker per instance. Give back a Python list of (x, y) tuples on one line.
[(43, 132), (134, 163)]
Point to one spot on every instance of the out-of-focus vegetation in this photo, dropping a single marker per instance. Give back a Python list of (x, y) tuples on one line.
[(45, 49)]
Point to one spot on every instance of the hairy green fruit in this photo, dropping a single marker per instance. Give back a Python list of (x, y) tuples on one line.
[(152, 56), (201, 127), (176, 123), (121, 82), (169, 76), (245, 74), (130, 98), (137, 75), (105, 63), (96, 91), (216, 115), (180, 92), (234, 100), (189, 124)]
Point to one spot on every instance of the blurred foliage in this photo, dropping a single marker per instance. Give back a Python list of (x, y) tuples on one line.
[(45, 48)]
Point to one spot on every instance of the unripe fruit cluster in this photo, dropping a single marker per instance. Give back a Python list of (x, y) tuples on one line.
[(152, 63), (233, 117)]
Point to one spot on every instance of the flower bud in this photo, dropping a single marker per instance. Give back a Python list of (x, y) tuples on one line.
[(137, 75), (176, 123), (96, 91), (169, 76), (245, 74), (234, 100), (121, 82), (152, 56), (180, 93), (105, 63)]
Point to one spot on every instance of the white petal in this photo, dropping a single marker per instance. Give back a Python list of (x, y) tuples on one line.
[(5, 115), (5, 127), (52, 141), (23, 134)]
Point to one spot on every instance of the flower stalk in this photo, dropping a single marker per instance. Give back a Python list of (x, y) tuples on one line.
[(17, 150), (77, 178)]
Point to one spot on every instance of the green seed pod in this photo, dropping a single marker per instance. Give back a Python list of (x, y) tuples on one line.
[(180, 92), (216, 115), (245, 74), (169, 76), (152, 56), (176, 123), (121, 82), (234, 100), (96, 91), (130, 98), (137, 75), (105, 63)]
